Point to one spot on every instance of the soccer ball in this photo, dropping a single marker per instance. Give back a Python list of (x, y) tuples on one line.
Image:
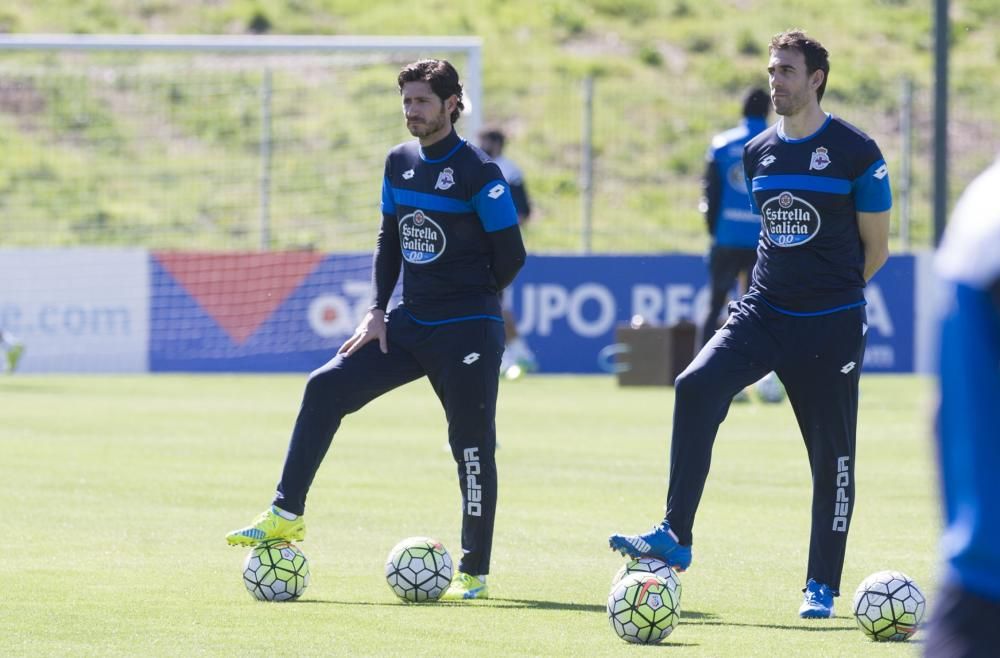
[(643, 609), (418, 569), (769, 389), (276, 570), (653, 566), (888, 605)]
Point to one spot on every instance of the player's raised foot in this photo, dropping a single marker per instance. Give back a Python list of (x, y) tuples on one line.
[(818, 601), (268, 526), (465, 586), (660, 543)]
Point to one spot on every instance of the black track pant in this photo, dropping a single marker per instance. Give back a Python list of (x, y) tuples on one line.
[(724, 265), (462, 362), (818, 359)]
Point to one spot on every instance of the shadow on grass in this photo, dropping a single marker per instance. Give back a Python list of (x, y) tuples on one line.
[(532, 604), (687, 616), (486, 603), (784, 627)]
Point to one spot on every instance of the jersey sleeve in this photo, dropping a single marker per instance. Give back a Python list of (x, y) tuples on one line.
[(748, 171), (387, 260), (872, 192), (388, 204), (493, 201)]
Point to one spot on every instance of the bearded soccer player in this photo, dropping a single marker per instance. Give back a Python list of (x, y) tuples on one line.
[(822, 189), (449, 223)]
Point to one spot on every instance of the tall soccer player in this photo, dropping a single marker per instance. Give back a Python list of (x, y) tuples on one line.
[(449, 223), (821, 187), (967, 613)]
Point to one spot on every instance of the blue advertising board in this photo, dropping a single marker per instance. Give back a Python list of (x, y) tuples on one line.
[(568, 307), (289, 312)]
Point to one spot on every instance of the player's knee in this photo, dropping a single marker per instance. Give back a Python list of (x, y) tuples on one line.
[(691, 383), (320, 381), (326, 388)]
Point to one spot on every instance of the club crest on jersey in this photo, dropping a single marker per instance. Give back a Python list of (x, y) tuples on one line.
[(445, 179), (789, 221), (421, 238), (820, 160)]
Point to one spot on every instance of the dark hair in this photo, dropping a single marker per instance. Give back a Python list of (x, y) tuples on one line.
[(817, 58), (493, 134), (756, 103), (442, 77)]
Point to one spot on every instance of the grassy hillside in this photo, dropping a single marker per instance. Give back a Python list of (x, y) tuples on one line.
[(668, 76)]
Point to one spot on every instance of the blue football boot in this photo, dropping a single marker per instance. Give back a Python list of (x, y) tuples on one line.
[(660, 543), (818, 601)]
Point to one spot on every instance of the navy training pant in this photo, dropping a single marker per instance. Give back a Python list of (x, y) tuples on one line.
[(818, 359), (462, 362)]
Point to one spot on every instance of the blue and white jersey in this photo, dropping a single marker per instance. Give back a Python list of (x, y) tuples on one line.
[(968, 263), (518, 189), (446, 200), (735, 223), (810, 259)]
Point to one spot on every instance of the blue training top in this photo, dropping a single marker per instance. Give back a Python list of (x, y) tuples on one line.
[(810, 259), (969, 370), (734, 223), (447, 200)]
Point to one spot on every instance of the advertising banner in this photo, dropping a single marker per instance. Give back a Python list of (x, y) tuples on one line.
[(258, 312), (77, 310), (290, 311), (567, 306)]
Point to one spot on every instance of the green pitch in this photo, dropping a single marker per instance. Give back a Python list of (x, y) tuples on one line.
[(117, 492)]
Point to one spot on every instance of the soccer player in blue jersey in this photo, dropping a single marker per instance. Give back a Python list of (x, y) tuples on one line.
[(822, 189), (518, 358), (967, 612), (734, 228), (448, 222)]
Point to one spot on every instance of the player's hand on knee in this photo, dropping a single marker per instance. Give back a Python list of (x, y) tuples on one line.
[(372, 327)]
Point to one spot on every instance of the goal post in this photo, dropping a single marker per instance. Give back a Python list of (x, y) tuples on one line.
[(227, 43), (197, 203), (150, 85)]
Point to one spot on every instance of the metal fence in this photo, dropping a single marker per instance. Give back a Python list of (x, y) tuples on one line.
[(277, 152)]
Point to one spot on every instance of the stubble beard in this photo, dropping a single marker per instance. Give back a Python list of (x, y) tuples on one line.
[(785, 106), (789, 104), (429, 127)]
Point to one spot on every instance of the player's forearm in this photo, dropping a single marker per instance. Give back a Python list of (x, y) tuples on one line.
[(875, 257), (508, 255), (386, 263), (873, 228)]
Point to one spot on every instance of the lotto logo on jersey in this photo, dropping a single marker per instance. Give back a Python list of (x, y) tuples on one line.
[(421, 238), (789, 221)]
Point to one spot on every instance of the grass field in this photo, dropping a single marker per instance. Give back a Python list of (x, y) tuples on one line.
[(118, 491)]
